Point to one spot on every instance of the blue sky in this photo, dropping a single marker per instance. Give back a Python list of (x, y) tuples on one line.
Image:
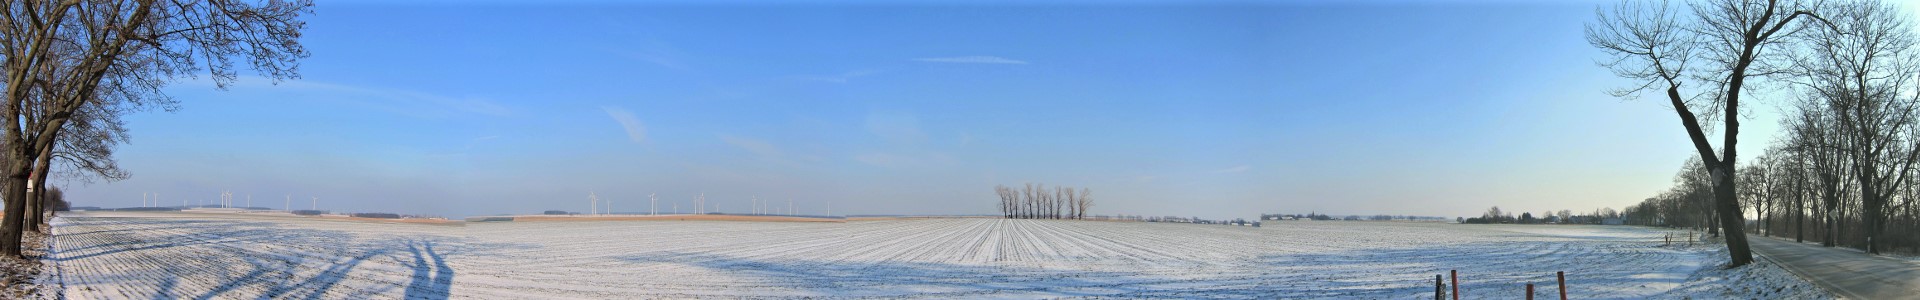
[(1214, 110)]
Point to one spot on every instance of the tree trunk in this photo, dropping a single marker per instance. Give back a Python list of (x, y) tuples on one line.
[(1766, 215), (35, 207), (1799, 218), (1730, 216), (16, 194), (1832, 226), (1871, 217), (38, 195)]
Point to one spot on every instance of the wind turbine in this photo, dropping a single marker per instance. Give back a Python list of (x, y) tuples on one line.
[(316, 203), (289, 202), (143, 199), (653, 204), (593, 204), (249, 200)]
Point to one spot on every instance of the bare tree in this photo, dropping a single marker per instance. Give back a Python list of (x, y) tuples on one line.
[(1815, 143), (1054, 202), (1861, 71), (1086, 202), (1073, 204), (1005, 209), (1716, 48), (1754, 185), (84, 149), (1027, 202), (78, 54)]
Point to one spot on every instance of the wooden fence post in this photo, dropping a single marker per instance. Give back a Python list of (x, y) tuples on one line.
[(1529, 291), (1563, 283), (1439, 288), (1455, 274)]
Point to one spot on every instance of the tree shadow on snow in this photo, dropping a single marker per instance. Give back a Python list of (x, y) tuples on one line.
[(203, 232), (231, 259), (433, 281)]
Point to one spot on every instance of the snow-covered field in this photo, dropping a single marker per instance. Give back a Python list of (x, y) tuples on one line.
[(138, 256)]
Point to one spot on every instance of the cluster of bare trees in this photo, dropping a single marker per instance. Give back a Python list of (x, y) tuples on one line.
[(74, 68), (1704, 56), (1035, 201), (1844, 171), (1689, 203), (1853, 135)]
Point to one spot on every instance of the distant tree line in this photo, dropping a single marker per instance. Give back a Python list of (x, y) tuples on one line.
[(1321, 217), (1035, 201), (1308, 216), (1403, 218), (1496, 216)]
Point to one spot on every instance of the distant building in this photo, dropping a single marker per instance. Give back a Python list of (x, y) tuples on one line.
[(1611, 221)]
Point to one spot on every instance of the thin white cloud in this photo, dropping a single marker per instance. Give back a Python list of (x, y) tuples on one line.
[(635, 130), (979, 59), (1241, 168)]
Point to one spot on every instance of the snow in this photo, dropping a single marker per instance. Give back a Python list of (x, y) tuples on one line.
[(125, 255)]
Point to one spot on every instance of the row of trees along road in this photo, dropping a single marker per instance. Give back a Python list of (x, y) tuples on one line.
[(74, 68), (1844, 169), (1034, 201)]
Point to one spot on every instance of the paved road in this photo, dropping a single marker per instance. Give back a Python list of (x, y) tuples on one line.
[(1847, 273)]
